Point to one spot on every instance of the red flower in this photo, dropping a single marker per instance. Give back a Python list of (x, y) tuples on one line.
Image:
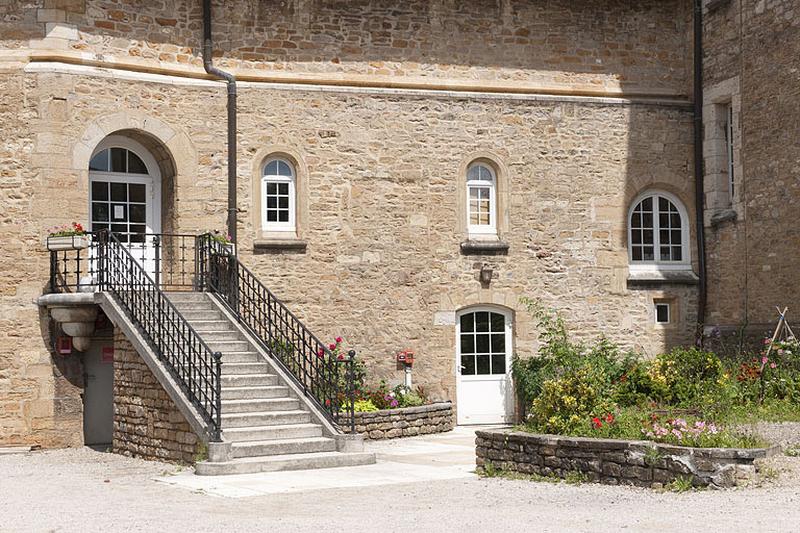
[(327, 403), (597, 423), (341, 357), (332, 346), (338, 340), (321, 352), (610, 418)]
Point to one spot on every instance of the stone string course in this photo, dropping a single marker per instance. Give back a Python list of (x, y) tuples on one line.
[(146, 422), (616, 462), (406, 422)]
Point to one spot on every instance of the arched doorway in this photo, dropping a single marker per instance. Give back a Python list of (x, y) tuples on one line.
[(484, 389), (125, 195)]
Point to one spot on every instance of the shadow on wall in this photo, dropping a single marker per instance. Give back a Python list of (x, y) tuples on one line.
[(659, 160)]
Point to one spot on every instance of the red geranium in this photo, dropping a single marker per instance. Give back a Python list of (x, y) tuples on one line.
[(597, 423), (610, 418)]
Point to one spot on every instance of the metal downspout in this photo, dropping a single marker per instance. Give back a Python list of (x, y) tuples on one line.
[(208, 45), (699, 167)]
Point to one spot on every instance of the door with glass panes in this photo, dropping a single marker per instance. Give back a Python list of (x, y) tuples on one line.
[(124, 196), (483, 366)]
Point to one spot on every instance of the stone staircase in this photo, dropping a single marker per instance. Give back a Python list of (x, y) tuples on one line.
[(271, 427)]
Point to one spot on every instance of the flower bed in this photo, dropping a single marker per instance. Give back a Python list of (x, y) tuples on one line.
[(616, 462), (405, 422)]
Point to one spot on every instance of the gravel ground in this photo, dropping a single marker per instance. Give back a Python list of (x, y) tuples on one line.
[(84, 490)]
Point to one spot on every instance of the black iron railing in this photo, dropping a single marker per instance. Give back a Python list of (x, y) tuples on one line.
[(109, 265), (169, 258), (325, 378)]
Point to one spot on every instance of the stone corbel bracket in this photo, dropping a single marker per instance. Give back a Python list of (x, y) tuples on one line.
[(76, 313)]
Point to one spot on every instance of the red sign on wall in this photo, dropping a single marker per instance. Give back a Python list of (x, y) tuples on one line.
[(107, 355), (64, 345)]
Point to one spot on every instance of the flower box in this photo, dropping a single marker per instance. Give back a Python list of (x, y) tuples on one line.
[(67, 242)]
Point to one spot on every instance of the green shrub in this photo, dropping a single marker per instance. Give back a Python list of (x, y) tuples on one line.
[(569, 402), (364, 406)]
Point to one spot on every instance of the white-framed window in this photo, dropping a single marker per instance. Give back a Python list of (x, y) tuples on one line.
[(729, 150), (481, 199), (278, 196), (658, 232), (662, 313)]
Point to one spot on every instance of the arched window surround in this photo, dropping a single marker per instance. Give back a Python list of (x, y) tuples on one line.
[(501, 203), (266, 238), (658, 264)]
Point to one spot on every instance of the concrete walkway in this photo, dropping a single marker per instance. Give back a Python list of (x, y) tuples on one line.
[(416, 459)]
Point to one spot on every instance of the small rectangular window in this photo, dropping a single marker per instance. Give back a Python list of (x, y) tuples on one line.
[(729, 150), (662, 313)]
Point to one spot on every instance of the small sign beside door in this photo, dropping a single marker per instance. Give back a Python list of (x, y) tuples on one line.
[(107, 355)]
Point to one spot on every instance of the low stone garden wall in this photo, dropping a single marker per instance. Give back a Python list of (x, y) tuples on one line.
[(406, 422), (616, 462)]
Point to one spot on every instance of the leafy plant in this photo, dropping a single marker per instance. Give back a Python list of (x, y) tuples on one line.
[(67, 230), (364, 406), (680, 484)]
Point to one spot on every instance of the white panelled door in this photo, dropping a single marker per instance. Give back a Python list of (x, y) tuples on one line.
[(124, 192), (483, 366)]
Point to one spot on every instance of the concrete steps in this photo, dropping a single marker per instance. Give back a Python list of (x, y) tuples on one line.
[(254, 393), (269, 428), (264, 418), (262, 433), (274, 463), (257, 448), (260, 405)]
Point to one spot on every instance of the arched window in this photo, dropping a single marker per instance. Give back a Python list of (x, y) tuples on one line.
[(658, 231), (278, 196), (118, 159), (481, 199)]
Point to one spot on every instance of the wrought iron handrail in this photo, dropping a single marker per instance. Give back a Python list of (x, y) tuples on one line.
[(196, 368), (325, 379), (169, 258)]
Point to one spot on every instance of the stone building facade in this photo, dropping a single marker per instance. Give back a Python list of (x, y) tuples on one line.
[(577, 108), (752, 71)]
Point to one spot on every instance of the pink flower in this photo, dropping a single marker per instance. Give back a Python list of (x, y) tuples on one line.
[(321, 352), (338, 340), (764, 360), (332, 346), (341, 357), (772, 365)]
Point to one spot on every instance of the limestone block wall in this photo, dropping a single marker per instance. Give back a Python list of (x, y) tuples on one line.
[(380, 167), (638, 47), (406, 422), (616, 462), (753, 258), (146, 422)]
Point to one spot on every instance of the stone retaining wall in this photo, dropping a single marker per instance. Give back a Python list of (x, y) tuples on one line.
[(406, 422), (147, 424), (616, 462)]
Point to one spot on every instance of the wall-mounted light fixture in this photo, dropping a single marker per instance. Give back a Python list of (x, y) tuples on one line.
[(486, 274)]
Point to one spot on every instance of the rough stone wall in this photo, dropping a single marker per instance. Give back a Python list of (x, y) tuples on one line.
[(382, 265), (146, 422), (753, 260), (640, 46), (406, 422), (616, 462)]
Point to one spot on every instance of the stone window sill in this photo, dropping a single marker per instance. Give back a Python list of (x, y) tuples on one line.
[(484, 247), (279, 245), (662, 277)]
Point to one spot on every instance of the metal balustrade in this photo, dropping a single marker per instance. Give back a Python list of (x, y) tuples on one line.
[(109, 265), (326, 379)]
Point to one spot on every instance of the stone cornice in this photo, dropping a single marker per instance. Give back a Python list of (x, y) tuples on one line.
[(347, 80)]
